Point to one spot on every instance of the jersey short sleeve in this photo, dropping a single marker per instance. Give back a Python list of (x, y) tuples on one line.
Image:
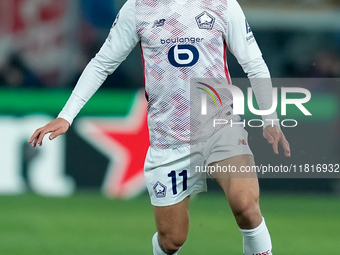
[(240, 38)]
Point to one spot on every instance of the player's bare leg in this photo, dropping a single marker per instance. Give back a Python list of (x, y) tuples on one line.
[(172, 227), (242, 192)]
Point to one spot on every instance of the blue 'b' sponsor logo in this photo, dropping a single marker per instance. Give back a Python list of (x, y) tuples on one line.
[(183, 55)]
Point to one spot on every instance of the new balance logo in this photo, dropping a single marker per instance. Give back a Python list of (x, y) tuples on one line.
[(158, 23), (243, 142)]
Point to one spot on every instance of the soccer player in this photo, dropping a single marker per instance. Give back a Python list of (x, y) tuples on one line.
[(181, 40)]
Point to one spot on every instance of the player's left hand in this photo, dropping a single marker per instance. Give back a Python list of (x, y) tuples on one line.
[(274, 136)]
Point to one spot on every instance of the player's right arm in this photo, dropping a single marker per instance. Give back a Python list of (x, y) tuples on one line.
[(122, 39)]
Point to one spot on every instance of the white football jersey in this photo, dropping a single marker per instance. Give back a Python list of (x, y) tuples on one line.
[(180, 40)]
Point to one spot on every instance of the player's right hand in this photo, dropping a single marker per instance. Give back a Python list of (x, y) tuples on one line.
[(57, 127)]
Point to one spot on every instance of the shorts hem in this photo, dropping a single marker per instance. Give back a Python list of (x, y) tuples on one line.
[(219, 157), (180, 198)]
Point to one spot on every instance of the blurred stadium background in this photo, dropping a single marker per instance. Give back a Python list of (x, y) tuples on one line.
[(84, 192)]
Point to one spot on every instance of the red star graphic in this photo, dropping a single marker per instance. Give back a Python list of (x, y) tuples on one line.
[(125, 141)]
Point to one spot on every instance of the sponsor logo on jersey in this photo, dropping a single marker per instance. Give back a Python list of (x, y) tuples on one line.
[(158, 23), (159, 189), (183, 55), (205, 20), (182, 40)]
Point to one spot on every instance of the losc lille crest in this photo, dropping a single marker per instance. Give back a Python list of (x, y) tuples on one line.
[(205, 21), (159, 189)]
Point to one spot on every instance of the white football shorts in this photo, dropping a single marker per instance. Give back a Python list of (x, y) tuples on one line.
[(167, 171)]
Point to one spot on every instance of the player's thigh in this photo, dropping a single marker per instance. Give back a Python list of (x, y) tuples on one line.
[(241, 188), (173, 221)]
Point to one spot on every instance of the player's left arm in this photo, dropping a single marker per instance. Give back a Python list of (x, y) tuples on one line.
[(243, 46)]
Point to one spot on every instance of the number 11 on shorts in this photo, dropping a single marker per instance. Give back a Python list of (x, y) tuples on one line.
[(184, 175)]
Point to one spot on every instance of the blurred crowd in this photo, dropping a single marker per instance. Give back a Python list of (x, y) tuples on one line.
[(49, 43), (30, 58)]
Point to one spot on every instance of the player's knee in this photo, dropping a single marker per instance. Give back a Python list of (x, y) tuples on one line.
[(246, 212), (171, 243)]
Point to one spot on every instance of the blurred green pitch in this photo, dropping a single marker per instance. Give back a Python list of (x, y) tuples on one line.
[(88, 223)]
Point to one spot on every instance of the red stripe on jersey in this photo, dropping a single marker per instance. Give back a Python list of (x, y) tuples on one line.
[(225, 63), (143, 61)]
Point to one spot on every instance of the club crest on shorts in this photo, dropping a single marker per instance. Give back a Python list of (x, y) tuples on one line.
[(159, 189), (205, 20)]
